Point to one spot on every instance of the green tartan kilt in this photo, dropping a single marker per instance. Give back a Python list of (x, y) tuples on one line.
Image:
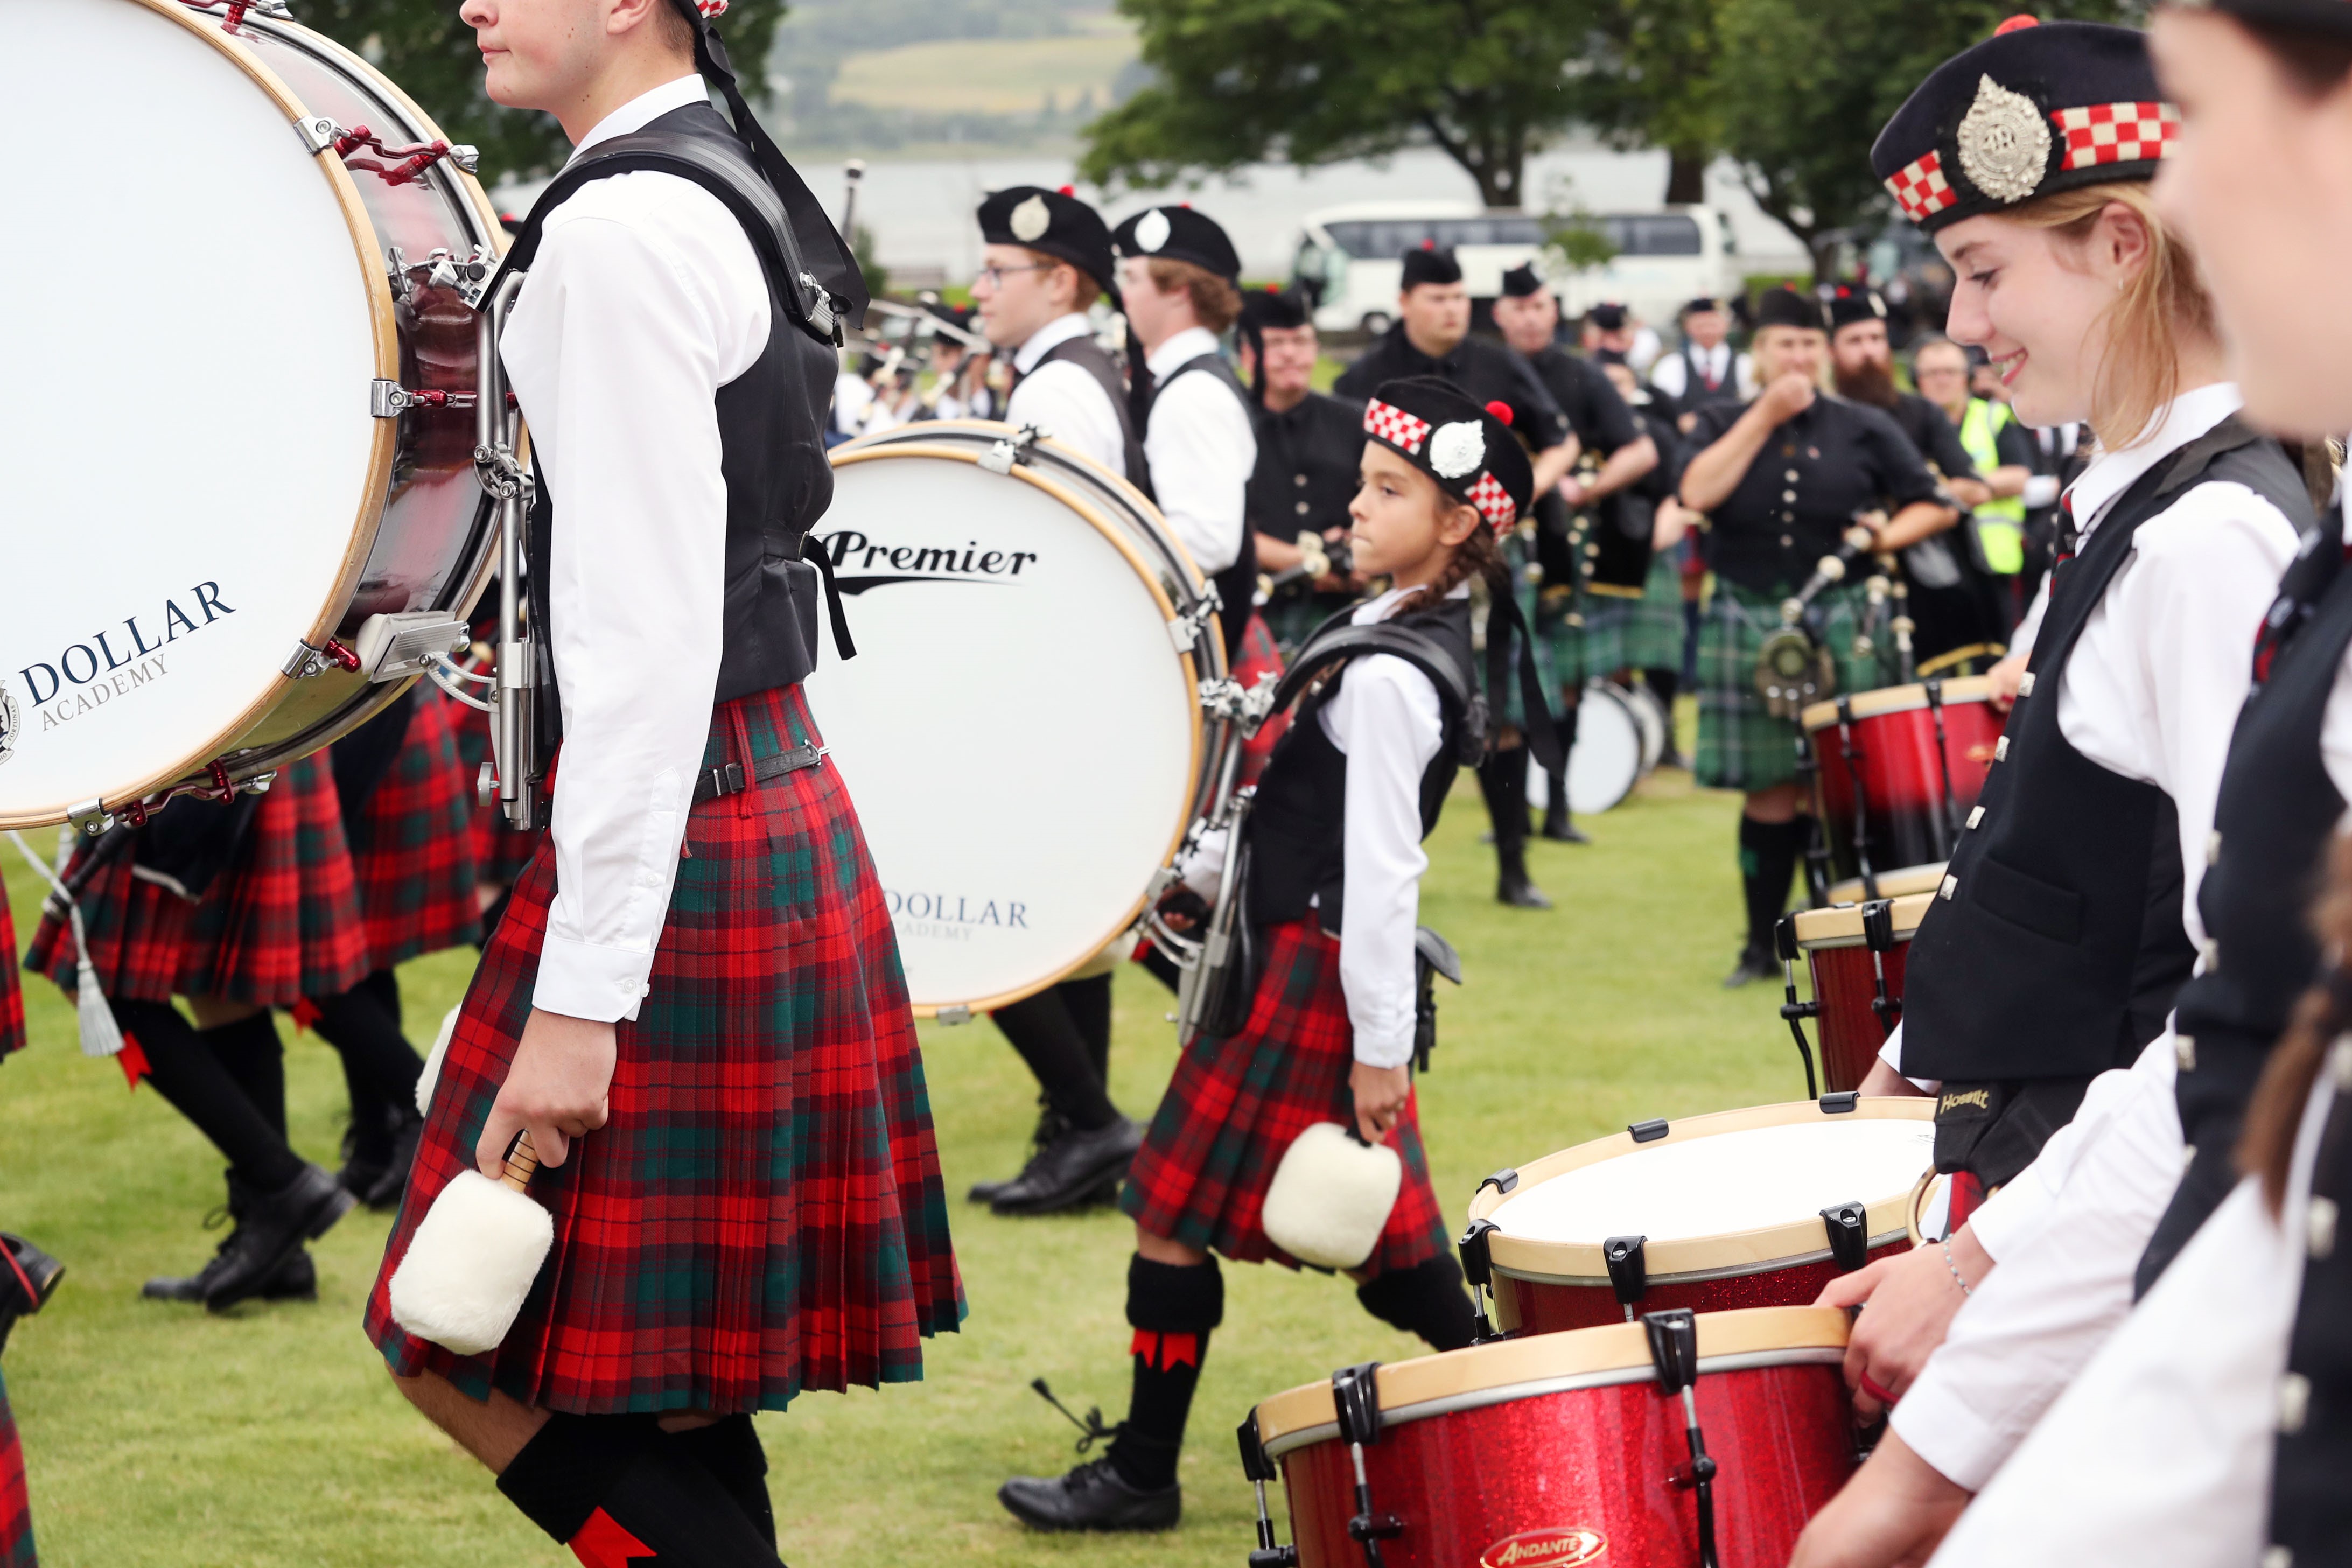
[(1741, 746), (1506, 703)]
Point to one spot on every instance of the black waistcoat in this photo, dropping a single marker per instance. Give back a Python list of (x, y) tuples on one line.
[(1094, 360), (1237, 583), (770, 418), (2057, 946), (2311, 1499), (1298, 820)]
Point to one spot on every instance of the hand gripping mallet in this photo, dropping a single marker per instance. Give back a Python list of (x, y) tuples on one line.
[(473, 1259)]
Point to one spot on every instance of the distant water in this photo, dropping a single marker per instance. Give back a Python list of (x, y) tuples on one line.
[(921, 210)]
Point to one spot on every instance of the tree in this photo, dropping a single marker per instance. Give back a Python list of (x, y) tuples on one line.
[(1805, 86), (1318, 81), (1651, 82), (430, 55)]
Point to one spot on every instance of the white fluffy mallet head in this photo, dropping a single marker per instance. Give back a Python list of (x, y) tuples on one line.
[(473, 1259), (1331, 1197)]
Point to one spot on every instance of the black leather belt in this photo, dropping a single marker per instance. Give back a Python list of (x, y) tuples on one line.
[(729, 778)]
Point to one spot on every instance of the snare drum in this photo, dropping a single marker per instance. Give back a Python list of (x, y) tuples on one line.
[(1563, 1449), (1893, 885), (1855, 953), (1759, 1207), (1022, 726), (1897, 773), (241, 434)]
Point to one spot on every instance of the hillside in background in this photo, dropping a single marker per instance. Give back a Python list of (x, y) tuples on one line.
[(879, 77)]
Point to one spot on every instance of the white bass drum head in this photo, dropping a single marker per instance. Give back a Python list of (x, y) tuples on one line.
[(189, 453), (1607, 757), (1652, 716), (1017, 730)]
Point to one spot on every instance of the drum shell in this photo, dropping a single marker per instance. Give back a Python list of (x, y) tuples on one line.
[(1523, 1306), (1909, 818), (1845, 986), (1598, 1459)]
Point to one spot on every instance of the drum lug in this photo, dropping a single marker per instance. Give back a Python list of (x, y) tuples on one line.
[(1260, 1470), (390, 400), (91, 818), (305, 661), (1674, 1355), (1842, 1103), (1185, 629), (1478, 1269), (1355, 1395), (1001, 457), (1505, 1181), (1784, 941), (1628, 1271), (1647, 1131), (1848, 1225)]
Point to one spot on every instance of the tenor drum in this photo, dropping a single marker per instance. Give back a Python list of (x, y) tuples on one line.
[(240, 465), (1021, 728), (1892, 885), (1741, 1209), (1897, 771), (1563, 1449), (1606, 761), (1855, 953)]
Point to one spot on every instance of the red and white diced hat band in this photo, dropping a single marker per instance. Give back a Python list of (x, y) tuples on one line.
[(1468, 451)]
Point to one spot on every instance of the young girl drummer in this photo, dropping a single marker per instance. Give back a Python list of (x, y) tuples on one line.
[(1334, 886)]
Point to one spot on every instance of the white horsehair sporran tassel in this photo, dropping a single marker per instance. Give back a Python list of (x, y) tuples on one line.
[(100, 1034)]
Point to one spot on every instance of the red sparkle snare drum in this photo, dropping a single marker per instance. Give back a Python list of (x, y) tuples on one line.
[(1565, 1450), (1744, 1208), (1855, 953), (1896, 772)]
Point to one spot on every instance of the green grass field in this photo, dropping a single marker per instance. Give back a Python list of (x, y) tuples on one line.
[(156, 1435)]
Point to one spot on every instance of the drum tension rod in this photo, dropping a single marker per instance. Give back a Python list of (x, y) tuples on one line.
[(1878, 936), (390, 400), (1478, 1269), (1260, 1470), (1794, 1012), (1674, 1353), (1356, 1394), (321, 134)]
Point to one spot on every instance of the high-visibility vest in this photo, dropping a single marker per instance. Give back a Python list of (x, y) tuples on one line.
[(2000, 524)]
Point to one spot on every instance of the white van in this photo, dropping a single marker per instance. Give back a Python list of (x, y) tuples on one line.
[(1352, 257)]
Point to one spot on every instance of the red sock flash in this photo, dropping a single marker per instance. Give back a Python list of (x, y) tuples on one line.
[(1164, 1353), (603, 1543), (133, 1060)]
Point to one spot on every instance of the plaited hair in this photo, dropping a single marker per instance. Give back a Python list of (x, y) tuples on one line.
[(1216, 303), (2266, 1148)]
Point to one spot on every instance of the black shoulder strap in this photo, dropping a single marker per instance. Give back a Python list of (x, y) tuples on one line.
[(1345, 643), (1216, 363), (1091, 357), (2235, 451)]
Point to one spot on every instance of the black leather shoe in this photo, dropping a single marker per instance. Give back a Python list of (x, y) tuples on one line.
[(1091, 1497), (1071, 1169), (1515, 889), (27, 1268), (1559, 827), (1755, 963), (276, 1224), (1050, 1126), (385, 1192), (297, 1279)]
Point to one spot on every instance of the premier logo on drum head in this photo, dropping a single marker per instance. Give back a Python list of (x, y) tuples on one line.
[(860, 562), (1565, 1548)]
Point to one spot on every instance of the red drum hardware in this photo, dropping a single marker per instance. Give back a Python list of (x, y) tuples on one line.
[(297, 528), (1680, 1439), (1759, 1207), (1895, 773), (1854, 952)]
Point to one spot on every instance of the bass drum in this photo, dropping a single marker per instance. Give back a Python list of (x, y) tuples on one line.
[(200, 601), (1607, 759), (1021, 728), (1657, 724)]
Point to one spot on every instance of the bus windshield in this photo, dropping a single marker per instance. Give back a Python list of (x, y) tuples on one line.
[(1630, 234)]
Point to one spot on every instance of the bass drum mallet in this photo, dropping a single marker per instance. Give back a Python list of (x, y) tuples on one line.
[(472, 1261)]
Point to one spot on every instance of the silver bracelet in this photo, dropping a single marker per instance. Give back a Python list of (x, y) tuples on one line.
[(1955, 1269)]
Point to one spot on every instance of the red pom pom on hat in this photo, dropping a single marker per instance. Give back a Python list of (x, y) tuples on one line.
[(1069, 189), (2015, 23), (1500, 410)]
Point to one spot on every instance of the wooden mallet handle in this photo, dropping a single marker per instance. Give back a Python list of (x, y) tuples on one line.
[(521, 1160)]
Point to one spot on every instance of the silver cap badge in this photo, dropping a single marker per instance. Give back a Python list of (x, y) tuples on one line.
[(2004, 144), (1031, 220)]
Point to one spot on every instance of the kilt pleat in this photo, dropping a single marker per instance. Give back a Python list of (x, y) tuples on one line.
[(1740, 745), (12, 990), (499, 852), (16, 1503), (763, 1213), (1236, 1104), (282, 923), (413, 846)]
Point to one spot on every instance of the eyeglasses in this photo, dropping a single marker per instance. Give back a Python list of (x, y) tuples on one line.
[(995, 276)]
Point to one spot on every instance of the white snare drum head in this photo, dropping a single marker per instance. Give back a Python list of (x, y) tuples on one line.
[(1017, 729), (1607, 757), (188, 436), (1739, 1181)]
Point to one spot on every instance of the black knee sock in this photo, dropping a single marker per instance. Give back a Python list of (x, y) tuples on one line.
[(191, 1079), (730, 1451), (1089, 1005), (367, 1036), (248, 1051), (385, 986), (1503, 780), (1663, 684), (1042, 1031), (1425, 1299), (1173, 1307), (375, 1119), (1768, 860), (610, 1489)]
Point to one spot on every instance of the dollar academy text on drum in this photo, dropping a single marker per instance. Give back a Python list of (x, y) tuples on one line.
[(91, 674), (952, 918), (859, 564)]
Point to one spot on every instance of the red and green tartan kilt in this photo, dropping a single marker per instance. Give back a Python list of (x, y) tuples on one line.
[(499, 852), (282, 923), (763, 1213), (1236, 1104), (1258, 655), (12, 990), (15, 1503), (413, 848)]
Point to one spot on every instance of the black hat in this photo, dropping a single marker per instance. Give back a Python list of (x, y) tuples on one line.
[(1606, 317), (1609, 356), (1784, 306), (1468, 451), (2034, 108), (1179, 234), (1274, 306), (1704, 302), (2330, 17), (1854, 302), (1521, 282), (1051, 223), (1426, 263)]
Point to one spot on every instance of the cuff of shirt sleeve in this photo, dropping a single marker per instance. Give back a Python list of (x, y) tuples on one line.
[(1377, 1052), (581, 980), (1954, 1439)]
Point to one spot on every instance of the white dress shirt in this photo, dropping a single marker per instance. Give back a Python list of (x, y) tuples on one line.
[(644, 300), (1064, 400), (1201, 449), (1387, 724), (1733, 374)]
